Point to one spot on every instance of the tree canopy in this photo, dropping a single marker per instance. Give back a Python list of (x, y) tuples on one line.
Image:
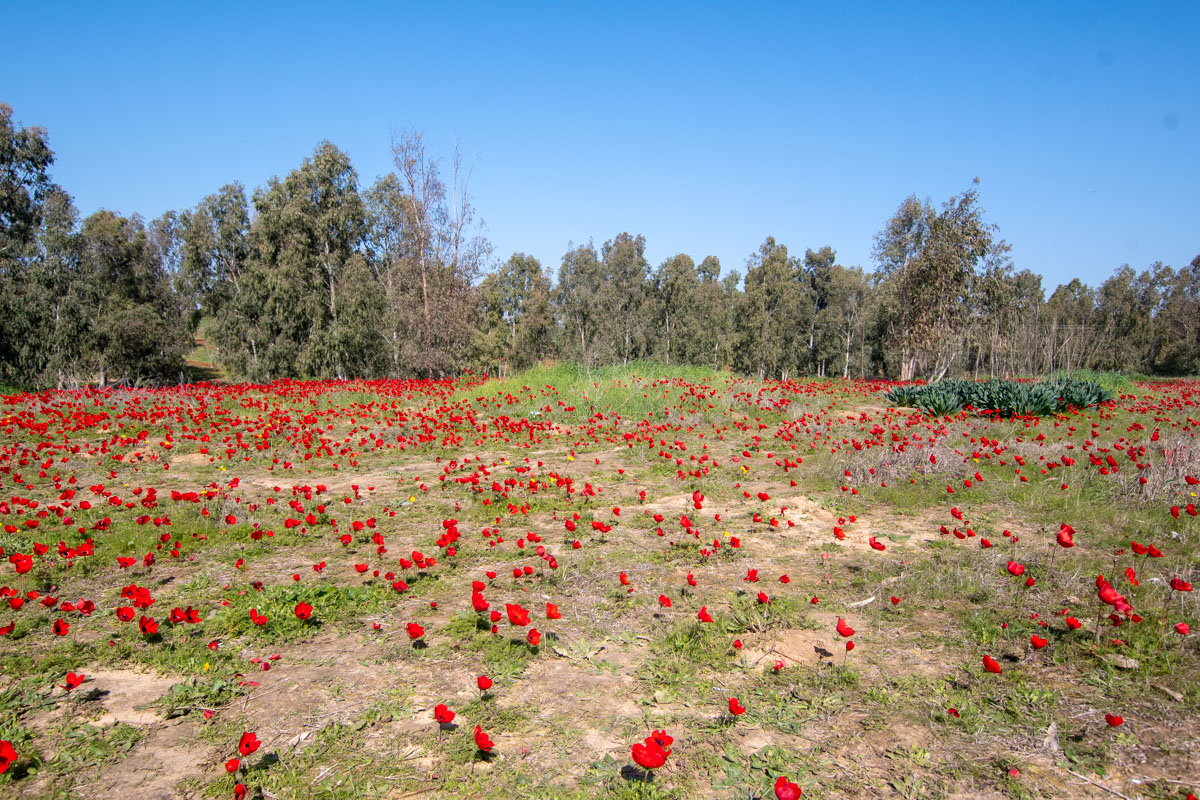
[(316, 275)]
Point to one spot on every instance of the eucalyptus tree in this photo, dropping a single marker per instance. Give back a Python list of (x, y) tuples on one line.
[(138, 331), (625, 322), (577, 299), (933, 257), (312, 305), (677, 294), (25, 186), (443, 252), (773, 317), (815, 279), (840, 322), (1178, 332)]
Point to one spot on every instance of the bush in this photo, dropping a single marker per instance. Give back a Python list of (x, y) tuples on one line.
[(1001, 398)]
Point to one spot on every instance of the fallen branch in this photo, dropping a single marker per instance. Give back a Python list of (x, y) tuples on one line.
[(1099, 785)]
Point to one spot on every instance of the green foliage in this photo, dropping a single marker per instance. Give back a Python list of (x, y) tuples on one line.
[(633, 390), (196, 694), (776, 289), (1001, 398), (327, 279)]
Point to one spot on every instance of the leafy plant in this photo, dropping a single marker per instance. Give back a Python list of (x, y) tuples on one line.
[(1000, 398)]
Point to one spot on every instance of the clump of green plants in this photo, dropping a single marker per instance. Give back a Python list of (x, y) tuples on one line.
[(1001, 398)]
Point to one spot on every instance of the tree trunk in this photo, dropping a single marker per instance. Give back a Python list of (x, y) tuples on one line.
[(846, 366), (668, 336)]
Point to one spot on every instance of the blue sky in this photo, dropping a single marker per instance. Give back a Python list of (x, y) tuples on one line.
[(705, 127)]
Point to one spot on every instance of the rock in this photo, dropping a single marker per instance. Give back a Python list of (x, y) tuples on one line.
[(1122, 662)]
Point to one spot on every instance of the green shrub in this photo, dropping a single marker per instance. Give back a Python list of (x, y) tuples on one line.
[(1001, 398)]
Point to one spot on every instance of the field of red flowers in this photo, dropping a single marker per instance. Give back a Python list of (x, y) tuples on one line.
[(595, 585)]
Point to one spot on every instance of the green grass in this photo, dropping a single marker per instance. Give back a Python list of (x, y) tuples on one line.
[(835, 728), (633, 391)]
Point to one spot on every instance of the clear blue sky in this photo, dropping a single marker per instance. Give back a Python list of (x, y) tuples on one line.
[(705, 127)]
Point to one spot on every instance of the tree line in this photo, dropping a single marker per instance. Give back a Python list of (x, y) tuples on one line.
[(317, 275)]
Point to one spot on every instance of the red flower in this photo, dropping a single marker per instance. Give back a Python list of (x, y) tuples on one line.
[(991, 665), (415, 631), (7, 755), (735, 707), (483, 682), (482, 741), (703, 614), (843, 629), (786, 790), (1113, 720), (650, 754), (73, 681), (552, 611), (248, 743), (1038, 642), (61, 626), (1065, 536), (442, 714), (517, 615), (533, 637), (232, 764), (303, 610)]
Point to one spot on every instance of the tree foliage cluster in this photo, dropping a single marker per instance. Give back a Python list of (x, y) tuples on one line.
[(316, 275)]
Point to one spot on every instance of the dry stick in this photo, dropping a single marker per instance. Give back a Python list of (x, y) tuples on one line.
[(324, 771), (1050, 569), (258, 695), (1021, 603), (1099, 785), (1180, 783)]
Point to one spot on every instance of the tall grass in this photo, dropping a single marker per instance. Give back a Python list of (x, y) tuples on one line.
[(634, 390), (1118, 382)]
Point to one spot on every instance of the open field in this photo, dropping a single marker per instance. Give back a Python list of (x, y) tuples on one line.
[(323, 564)]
